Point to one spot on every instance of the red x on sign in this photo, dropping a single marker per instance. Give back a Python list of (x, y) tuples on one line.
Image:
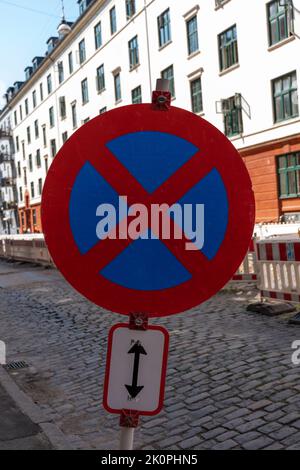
[(139, 156)]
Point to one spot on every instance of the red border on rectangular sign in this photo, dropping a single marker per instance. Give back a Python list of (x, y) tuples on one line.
[(163, 371)]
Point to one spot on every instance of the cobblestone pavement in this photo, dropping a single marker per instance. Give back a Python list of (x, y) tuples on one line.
[(230, 383)]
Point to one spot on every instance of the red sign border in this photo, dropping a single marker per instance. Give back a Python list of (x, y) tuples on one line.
[(163, 371), (59, 184)]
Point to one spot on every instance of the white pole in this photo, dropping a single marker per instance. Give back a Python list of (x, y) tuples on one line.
[(126, 441)]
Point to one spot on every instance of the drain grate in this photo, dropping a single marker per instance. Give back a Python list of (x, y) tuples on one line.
[(16, 365)]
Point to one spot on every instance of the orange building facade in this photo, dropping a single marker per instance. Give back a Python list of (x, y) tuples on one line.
[(30, 217), (273, 200)]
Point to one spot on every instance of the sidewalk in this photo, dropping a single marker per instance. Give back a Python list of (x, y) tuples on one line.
[(17, 431), (23, 425)]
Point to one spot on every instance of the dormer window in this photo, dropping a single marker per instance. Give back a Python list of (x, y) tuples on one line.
[(51, 43), (36, 62), (28, 72), (83, 4)]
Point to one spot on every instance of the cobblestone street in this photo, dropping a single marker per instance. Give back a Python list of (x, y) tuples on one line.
[(230, 384)]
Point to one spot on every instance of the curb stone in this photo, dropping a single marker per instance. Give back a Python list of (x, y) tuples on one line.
[(56, 437)]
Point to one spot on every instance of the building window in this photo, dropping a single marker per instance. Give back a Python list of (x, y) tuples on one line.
[(136, 95), (34, 99), (60, 68), (28, 135), (23, 149), (70, 60), (26, 109), (30, 163), (38, 158), (53, 147), (228, 48), (74, 115), (51, 116), (98, 35), (280, 17), (21, 112), (103, 110), (285, 97), (164, 28), (196, 96), (41, 92), (49, 84), (82, 52), (36, 129), (233, 120), (40, 186), (100, 79), (21, 196), (82, 6), (46, 164), (19, 169), (118, 92), (32, 189), (130, 9), (113, 20), (168, 74), (62, 107), (16, 118), (17, 144), (34, 217), (133, 52), (44, 136), (84, 91), (64, 137), (289, 175), (192, 35), (25, 176)]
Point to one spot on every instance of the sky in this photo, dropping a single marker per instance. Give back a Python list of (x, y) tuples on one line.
[(23, 34)]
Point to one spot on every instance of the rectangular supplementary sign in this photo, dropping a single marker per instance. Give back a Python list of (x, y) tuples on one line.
[(136, 369)]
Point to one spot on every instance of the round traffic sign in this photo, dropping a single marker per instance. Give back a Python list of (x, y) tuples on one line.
[(148, 211)]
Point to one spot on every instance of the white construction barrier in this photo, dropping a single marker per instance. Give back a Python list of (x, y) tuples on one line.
[(25, 248), (279, 269), (248, 269)]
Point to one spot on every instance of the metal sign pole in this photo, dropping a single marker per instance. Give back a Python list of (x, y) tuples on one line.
[(126, 439), (129, 420)]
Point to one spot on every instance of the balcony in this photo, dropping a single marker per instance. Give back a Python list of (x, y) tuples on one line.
[(6, 182), (5, 157), (8, 205), (5, 133)]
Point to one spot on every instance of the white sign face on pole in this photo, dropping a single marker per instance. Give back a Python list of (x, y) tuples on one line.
[(136, 369)]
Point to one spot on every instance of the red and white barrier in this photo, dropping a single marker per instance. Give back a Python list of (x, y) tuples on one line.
[(279, 269), (24, 248), (248, 269)]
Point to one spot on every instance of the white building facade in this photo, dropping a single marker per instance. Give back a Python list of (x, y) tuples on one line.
[(8, 195), (234, 62)]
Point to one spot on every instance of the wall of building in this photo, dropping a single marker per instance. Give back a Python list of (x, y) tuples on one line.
[(258, 65), (8, 196)]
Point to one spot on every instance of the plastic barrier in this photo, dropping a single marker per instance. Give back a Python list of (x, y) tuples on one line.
[(279, 269), (26, 249), (248, 269), (32, 248)]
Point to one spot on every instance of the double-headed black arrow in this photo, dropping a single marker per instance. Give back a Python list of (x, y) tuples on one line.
[(133, 389)]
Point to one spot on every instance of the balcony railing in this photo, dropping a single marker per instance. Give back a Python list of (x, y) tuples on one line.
[(7, 206), (4, 133), (6, 182), (5, 157)]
